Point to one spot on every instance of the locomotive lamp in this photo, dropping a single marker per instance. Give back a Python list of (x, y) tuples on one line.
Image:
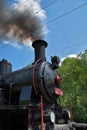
[(55, 61)]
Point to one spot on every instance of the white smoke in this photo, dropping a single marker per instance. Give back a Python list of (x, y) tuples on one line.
[(33, 5), (22, 22)]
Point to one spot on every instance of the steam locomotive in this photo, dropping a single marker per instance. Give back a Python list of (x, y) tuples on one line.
[(28, 95)]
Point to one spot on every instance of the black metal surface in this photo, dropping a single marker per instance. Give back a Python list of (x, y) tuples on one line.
[(21, 90), (39, 47), (13, 120)]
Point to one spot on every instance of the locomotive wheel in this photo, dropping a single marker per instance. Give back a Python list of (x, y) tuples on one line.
[(49, 126)]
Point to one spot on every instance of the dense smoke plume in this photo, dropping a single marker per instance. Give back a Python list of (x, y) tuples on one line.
[(22, 21)]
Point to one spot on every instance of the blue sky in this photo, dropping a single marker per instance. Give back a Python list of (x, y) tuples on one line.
[(67, 35)]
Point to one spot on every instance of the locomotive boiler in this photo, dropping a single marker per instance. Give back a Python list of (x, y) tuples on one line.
[(27, 96)]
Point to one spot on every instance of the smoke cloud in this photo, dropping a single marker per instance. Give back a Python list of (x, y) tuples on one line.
[(22, 22)]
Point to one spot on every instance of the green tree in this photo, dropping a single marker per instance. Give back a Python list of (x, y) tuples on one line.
[(74, 83)]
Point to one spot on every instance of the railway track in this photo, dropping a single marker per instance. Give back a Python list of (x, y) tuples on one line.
[(71, 126)]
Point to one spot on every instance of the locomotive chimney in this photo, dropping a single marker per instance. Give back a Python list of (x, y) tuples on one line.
[(39, 47)]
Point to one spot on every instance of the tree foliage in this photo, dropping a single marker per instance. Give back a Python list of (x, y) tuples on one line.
[(74, 84)]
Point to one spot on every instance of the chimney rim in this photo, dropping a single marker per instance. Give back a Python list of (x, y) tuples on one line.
[(39, 42)]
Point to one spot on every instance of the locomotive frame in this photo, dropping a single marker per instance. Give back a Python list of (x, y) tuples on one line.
[(28, 96)]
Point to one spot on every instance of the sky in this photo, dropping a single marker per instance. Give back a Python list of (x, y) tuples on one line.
[(64, 26)]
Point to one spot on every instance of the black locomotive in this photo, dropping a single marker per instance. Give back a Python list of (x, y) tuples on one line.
[(28, 96)]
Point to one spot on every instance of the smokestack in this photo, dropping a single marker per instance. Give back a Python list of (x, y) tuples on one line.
[(39, 48)]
